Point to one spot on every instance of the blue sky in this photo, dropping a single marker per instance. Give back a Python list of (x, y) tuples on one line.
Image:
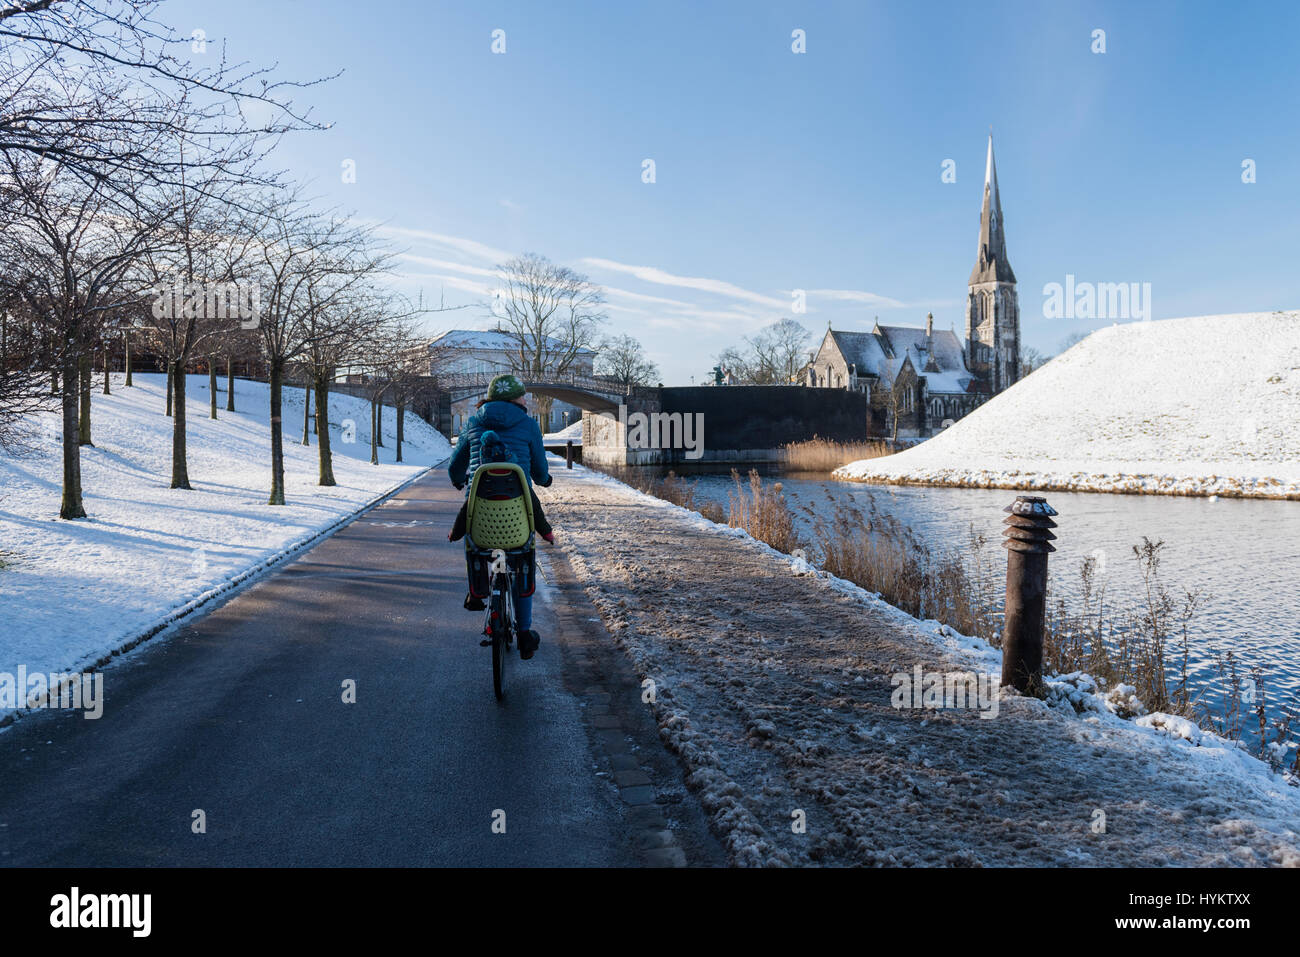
[(818, 171)]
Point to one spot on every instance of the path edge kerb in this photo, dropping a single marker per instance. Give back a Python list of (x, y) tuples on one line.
[(643, 815), (175, 616)]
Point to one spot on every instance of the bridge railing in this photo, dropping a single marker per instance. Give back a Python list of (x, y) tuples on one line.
[(458, 381)]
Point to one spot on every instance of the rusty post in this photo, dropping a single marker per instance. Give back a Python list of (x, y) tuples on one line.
[(1028, 543), (568, 453)]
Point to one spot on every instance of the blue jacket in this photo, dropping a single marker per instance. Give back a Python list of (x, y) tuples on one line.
[(522, 437)]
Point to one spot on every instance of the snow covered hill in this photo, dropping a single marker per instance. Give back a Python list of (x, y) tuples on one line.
[(70, 592), (1208, 405)]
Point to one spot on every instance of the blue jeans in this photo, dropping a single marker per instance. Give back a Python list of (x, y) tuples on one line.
[(523, 612)]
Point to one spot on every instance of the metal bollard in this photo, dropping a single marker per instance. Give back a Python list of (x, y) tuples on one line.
[(568, 454), (1028, 543)]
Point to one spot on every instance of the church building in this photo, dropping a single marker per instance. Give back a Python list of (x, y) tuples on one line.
[(921, 380)]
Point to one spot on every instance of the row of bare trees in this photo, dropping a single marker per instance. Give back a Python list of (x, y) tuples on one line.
[(136, 207)]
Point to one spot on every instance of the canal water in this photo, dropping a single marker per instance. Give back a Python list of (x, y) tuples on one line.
[(1243, 555)]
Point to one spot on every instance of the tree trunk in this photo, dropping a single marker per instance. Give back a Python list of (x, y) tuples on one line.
[(54, 382), (212, 385), (230, 384), (374, 445), (544, 405), (306, 411), (401, 419), (323, 429), (169, 387), (277, 434), (126, 339), (180, 471), (86, 369), (71, 506), (107, 389), (379, 420)]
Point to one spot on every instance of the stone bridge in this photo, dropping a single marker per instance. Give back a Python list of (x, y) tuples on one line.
[(590, 393)]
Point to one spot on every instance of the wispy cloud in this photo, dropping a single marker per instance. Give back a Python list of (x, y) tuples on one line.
[(467, 247), (855, 295), (681, 314), (721, 307), (447, 264), (721, 287), (422, 280)]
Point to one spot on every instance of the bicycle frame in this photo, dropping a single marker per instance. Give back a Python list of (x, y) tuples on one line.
[(503, 586)]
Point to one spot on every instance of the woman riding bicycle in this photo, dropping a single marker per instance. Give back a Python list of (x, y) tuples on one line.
[(503, 412)]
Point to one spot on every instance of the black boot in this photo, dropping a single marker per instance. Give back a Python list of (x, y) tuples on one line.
[(473, 604), (529, 640)]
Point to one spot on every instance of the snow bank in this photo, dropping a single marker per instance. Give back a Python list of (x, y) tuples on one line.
[(72, 592), (570, 433), (1198, 406)]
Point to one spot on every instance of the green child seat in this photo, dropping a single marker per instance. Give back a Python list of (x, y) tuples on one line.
[(499, 516), (500, 508)]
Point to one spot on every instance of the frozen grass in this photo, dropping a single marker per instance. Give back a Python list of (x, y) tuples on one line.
[(824, 455)]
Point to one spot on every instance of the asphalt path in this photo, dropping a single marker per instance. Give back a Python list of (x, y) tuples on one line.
[(240, 714)]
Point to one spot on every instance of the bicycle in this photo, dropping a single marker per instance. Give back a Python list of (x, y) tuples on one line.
[(499, 551)]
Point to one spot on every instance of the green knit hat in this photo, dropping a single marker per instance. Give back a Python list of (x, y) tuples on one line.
[(505, 387)]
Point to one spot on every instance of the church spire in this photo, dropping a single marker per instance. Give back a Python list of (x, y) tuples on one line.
[(991, 263)]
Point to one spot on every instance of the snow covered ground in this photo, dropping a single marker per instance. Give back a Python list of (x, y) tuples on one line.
[(571, 432), (1198, 406), (71, 592), (775, 684)]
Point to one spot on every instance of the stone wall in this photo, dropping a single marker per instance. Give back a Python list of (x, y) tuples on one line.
[(726, 424)]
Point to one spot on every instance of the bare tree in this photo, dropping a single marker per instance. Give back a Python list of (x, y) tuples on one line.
[(773, 356), (387, 362), (245, 347), (195, 271), (339, 324), (408, 375), (552, 313), (736, 364), (1072, 340), (24, 382), (105, 89), (75, 240), (623, 359), (892, 394), (93, 108), (307, 264), (786, 345), (1031, 359)]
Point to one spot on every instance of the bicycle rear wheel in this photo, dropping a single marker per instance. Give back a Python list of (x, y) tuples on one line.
[(500, 624)]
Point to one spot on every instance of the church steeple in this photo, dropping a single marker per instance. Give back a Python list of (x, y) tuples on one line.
[(991, 264), (992, 306)]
